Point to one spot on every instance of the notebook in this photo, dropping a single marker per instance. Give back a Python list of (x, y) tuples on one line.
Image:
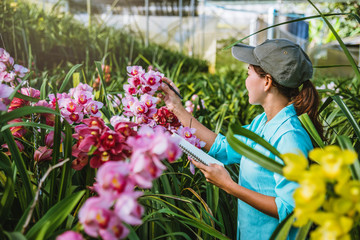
[(195, 153)]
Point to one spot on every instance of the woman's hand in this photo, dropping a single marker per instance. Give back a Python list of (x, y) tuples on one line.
[(172, 101), (215, 174)]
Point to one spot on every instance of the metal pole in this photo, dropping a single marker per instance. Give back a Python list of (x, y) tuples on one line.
[(192, 6), (271, 21), (147, 23), (180, 25)]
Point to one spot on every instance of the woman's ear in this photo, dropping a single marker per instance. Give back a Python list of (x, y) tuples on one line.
[(268, 82)]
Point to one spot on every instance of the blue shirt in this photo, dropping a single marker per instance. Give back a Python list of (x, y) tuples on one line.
[(286, 134)]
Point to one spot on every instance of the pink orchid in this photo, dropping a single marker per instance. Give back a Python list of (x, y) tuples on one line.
[(69, 105), (111, 141), (18, 144), (82, 97), (115, 230), (95, 215), (135, 70), (2, 67), (70, 235), (31, 92), (81, 87), (112, 180), (135, 81), (58, 96), (128, 103), (5, 57), (18, 131), (49, 138), (7, 76), (81, 161), (99, 158), (72, 117), (5, 92), (92, 108), (130, 90), (43, 154), (128, 209), (20, 70)]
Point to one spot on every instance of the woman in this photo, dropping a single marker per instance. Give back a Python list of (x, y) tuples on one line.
[(277, 69)]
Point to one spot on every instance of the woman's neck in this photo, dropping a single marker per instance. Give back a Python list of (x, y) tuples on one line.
[(273, 105)]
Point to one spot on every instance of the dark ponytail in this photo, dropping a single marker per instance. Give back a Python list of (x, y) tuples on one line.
[(305, 101)]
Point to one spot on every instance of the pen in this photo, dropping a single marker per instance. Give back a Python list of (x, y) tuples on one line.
[(173, 89)]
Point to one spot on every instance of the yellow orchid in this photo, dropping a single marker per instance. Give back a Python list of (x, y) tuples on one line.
[(295, 165), (331, 225), (349, 190), (333, 160)]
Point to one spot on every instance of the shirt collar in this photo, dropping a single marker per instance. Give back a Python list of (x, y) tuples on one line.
[(271, 127)]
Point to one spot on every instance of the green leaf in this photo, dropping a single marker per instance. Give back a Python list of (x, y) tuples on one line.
[(19, 162), (55, 216), (43, 88), (23, 111), (7, 196), (25, 97), (15, 235), (345, 143), (28, 124), (303, 231), (310, 128), (68, 77), (252, 154), (282, 230), (348, 114)]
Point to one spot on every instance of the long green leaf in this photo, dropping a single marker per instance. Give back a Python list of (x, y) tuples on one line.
[(282, 230), (56, 215), (43, 88), (65, 182), (68, 77), (17, 158), (28, 124), (303, 231), (15, 235), (252, 154), (23, 111), (338, 38), (348, 114), (345, 143), (310, 128), (9, 190), (25, 97)]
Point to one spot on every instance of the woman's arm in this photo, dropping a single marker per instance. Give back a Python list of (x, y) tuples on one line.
[(218, 176), (174, 104)]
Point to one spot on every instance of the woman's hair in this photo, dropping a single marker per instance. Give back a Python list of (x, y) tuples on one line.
[(305, 101)]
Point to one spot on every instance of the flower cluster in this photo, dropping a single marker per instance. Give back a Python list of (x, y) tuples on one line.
[(190, 104), (104, 215), (79, 102), (139, 101), (9, 72), (102, 143), (167, 119), (333, 211)]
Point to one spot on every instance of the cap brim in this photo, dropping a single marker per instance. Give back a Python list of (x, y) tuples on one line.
[(244, 53)]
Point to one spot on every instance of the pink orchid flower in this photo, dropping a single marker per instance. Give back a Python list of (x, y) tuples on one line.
[(92, 108), (95, 215), (70, 235), (135, 70), (20, 70), (115, 230), (112, 180), (5, 92), (81, 161), (7, 76), (130, 90), (82, 97), (128, 209), (42, 154)]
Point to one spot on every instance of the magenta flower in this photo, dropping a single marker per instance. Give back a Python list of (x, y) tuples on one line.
[(70, 235), (7, 76), (130, 90), (95, 215), (128, 103), (43, 154), (128, 209), (18, 144), (135, 81), (68, 105), (82, 159), (115, 230), (92, 108), (49, 138), (112, 180), (58, 96), (82, 87), (135, 70), (82, 97)]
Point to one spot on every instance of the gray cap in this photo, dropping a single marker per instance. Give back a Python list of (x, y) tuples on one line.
[(284, 60)]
